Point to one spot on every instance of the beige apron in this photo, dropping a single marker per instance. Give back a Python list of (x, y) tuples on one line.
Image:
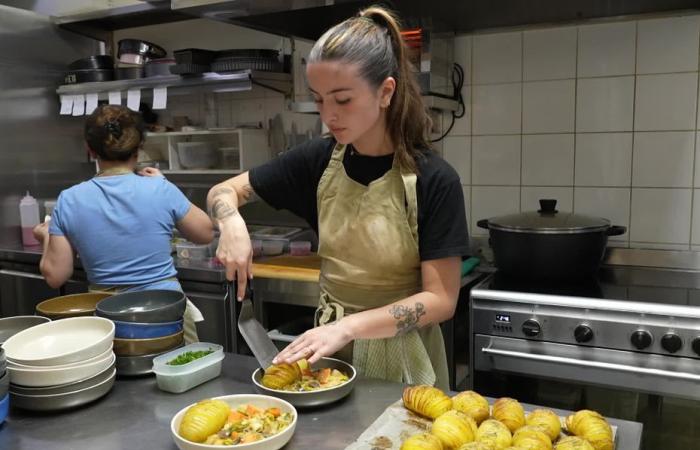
[(369, 258), (192, 313)]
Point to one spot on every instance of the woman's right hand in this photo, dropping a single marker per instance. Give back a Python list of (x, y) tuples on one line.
[(236, 252)]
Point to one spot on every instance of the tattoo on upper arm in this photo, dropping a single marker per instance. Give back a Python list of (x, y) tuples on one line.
[(249, 193), (407, 318)]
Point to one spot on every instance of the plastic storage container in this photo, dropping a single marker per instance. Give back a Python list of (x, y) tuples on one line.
[(181, 378), (299, 248), (29, 218), (188, 250), (272, 248), (230, 158), (257, 247)]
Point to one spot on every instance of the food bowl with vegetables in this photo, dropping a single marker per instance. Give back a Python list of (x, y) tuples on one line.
[(304, 385), (189, 366), (242, 421)]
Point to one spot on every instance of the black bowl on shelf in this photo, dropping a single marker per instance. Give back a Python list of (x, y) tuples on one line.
[(88, 76), (92, 62)]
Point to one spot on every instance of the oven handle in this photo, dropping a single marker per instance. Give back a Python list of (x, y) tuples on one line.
[(597, 364)]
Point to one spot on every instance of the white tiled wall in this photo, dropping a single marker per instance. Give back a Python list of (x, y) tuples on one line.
[(601, 116)]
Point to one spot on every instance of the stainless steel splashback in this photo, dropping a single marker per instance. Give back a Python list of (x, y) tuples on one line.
[(40, 151)]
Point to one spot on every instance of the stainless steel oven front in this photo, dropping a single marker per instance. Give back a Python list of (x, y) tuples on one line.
[(632, 360)]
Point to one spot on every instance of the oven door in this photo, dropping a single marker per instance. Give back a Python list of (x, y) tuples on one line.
[(661, 392)]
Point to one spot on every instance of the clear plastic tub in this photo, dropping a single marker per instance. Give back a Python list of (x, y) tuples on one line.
[(272, 248), (188, 250), (257, 247), (184, 377), (300, 248)]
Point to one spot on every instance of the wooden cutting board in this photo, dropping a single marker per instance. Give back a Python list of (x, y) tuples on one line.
[(298, 268)]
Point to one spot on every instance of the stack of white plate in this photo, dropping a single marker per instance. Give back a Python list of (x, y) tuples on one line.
[(60, 365)]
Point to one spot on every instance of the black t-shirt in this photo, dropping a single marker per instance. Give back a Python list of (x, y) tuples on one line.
[(290, 182)]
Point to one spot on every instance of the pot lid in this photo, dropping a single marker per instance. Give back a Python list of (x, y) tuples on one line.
[(549, 220)]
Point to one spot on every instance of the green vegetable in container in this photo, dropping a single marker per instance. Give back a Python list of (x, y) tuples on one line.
[(187, 357)]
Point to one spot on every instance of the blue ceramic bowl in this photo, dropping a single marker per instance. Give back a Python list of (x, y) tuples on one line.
[(4, 407), (157, 306), (133, 330)]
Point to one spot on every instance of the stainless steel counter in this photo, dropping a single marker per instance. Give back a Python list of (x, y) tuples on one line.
[(136, 415)]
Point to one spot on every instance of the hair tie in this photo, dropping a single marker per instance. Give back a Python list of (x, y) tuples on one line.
[(114, 128)]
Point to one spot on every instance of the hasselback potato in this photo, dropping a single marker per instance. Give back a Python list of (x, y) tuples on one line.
[(472, 404), (547, 420), (531, 438), (477, 446), (454, 428), (510, 412), (422, 441), (203, 419), (591, 426), (494, 432), (277, 376), (426, 400), (573, 443)]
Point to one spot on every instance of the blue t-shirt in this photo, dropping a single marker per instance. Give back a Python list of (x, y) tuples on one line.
[(121, 227)]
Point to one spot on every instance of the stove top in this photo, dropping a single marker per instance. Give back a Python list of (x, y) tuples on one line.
[(638, 284), (637, 309)]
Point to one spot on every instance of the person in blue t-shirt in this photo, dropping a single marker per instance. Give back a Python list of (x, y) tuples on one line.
[(121, 223)]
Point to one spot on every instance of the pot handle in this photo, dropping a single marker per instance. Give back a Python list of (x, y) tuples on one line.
[(616, 230), (483, 223)]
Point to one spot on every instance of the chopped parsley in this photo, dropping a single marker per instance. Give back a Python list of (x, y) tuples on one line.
[(187, 357)]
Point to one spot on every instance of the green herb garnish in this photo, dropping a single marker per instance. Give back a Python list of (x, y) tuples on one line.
[(187, 357)]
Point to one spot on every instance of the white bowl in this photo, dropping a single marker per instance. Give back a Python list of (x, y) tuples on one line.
[(52, 377), (262, 401), (101, 356), (61, 342)]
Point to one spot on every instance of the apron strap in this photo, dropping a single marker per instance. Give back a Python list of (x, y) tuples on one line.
[(410, 188)]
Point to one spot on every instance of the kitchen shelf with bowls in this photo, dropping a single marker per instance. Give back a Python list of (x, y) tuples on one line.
[(222, 151), (243, 80)]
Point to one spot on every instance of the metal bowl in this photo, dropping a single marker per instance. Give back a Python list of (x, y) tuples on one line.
[(74, 305), (137, 365), (313, 398), (139, 347), (154, 306), (9, 326), (57, 402)]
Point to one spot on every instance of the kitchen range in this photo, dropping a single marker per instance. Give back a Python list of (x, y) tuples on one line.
[(625, 342)]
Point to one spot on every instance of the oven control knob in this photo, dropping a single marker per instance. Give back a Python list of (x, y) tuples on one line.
[(531, 328), (641, 339), (696, 345), (671, 342), (583, 333)]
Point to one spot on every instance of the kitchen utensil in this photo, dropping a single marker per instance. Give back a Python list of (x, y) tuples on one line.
[(313, 398), (74, 305), (242, 59), (60, 342), (136, 47), (159, 67), (548, 244), (252, 331), (128, 72), (154, 306), (273, 442)]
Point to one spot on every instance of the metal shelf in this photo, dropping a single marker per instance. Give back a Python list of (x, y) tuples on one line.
[(215, 82)]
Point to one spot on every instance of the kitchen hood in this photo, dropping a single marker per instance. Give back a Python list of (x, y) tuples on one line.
[(309, 18)]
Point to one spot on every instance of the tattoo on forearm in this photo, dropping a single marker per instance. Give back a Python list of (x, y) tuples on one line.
[(407, 318), (221, 210)]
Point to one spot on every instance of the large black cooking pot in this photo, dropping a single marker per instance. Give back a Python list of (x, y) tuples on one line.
[(548, 244)]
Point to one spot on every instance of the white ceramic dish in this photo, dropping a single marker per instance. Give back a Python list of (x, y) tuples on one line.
[(99, 357), (262, 401), (61, 342), (57, 402), (65, 375)]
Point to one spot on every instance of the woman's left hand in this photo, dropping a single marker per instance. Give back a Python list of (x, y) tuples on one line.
[(150, 172), (316, 343)]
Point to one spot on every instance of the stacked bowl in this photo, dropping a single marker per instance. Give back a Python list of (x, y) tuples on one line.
[(4, 385), (60, 365), (74, 305), (147, 324)]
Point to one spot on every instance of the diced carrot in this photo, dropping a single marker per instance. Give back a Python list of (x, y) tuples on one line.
[(235, 416), (251, 437), (251, 410), (307, 372), (323, 375), (274, 411)]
